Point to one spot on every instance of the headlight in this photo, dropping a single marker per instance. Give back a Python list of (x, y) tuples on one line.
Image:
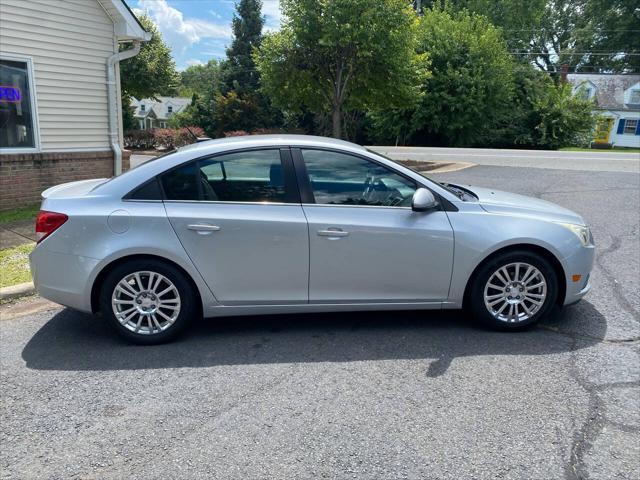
[(581, 231)]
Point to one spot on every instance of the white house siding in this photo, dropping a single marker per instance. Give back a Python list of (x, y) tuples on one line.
[(69, 42), (624, 139)]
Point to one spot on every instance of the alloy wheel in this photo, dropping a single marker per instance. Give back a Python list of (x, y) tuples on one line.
[(146, 302), (515, 292)]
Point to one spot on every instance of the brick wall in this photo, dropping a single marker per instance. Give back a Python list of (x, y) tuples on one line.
[(24, 176)]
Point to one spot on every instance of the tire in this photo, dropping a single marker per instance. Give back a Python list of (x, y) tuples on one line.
[(153, 313), (524, 300)]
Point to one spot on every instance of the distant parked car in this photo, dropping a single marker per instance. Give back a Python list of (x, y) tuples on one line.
[(282, 224)]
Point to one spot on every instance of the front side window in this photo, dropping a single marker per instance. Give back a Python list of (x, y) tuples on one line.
[(251, 176), (634, 98), (630, 126), (17, 122), (342, 179)]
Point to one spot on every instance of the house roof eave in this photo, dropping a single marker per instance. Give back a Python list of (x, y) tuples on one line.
[(127, 27)]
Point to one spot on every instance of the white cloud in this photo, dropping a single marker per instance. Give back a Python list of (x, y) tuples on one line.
[(215, 14), (178, 32), (271, 10), (194, 61)]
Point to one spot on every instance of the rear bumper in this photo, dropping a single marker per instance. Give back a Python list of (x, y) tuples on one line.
[(63, 278)]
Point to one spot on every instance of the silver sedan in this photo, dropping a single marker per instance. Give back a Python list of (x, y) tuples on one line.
[(286, 224)]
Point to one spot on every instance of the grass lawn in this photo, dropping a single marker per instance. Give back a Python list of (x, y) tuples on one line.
[(24, 213), (602, 150), (14, 265)]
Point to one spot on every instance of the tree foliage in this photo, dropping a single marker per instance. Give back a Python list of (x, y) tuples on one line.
[(469, 90), (341, 55), (239, 71), (585, 35), (544, 114), (203, 80), (240, 105), (152, 72)]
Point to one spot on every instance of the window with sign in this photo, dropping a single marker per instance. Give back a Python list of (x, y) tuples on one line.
[(17, 118)]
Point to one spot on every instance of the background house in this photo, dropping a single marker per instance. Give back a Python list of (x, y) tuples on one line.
[(154, 113), (59, 108), (617, 100)]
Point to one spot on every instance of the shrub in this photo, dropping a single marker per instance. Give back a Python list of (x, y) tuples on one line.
[(140, 139), (165, 138), (263, 131)]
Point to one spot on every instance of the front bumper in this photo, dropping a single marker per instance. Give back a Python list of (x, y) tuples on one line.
[(580, 263), (62, 278)]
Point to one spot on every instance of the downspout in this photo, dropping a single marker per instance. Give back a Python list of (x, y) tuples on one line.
[(113, 103)]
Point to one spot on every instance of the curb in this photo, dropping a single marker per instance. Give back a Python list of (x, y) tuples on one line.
[(451, 167), (17, 291)]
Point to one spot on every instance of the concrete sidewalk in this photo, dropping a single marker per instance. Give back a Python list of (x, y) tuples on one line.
[(17, 233)]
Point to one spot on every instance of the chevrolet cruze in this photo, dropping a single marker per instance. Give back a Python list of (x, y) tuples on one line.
[(286, 224)]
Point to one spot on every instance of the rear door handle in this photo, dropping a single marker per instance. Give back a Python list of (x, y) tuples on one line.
[(203, 227), (333, 232)]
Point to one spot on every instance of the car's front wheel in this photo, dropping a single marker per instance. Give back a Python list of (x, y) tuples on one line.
[(513, 290), (147, 301)]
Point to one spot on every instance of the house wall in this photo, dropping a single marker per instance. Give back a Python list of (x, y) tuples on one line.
[(624, 139), (24, 176), (69, 42)]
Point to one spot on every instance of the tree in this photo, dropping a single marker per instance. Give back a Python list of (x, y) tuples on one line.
[(471, 84), (332, 56), (203, 80), (152, 72), (518, 19), (616, 28), (239, 71), (544, 114), (562, 119)]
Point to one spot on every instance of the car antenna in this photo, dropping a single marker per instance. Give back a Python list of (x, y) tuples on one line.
[(195, 137)]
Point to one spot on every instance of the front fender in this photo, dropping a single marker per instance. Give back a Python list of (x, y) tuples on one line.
[(478, 238)]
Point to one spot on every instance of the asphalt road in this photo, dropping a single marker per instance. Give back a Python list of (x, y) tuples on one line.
[(364, 396), (595, 161)]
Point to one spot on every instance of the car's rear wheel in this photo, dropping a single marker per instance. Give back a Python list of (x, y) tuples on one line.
[(147, 301), (513, 290)]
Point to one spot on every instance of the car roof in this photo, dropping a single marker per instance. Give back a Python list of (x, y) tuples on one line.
[(268, 140)]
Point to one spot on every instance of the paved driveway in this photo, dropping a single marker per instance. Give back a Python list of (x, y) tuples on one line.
[(386, 395)]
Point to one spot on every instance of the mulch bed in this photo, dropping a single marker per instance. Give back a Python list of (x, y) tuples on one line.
[(419, 166)]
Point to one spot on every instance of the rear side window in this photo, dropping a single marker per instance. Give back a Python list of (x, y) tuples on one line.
[(250, 176), (147, 191), (182, 183)]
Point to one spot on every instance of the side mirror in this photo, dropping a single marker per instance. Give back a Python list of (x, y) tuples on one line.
[(423, 200)]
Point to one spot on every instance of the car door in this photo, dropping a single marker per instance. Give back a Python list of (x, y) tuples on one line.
[(238, 216), (366, 243)]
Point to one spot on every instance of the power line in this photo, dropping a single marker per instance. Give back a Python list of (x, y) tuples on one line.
[(577, 53), (546, 31)]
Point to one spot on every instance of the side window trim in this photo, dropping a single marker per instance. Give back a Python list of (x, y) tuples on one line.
[(291, 186), (304, 183)]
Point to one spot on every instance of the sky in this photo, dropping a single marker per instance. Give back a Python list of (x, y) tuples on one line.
[(198, 30)]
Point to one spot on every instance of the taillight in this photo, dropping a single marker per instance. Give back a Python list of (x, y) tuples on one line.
[(47, 223)]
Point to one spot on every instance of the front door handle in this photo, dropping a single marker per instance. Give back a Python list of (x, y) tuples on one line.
[(333, 232), (203, 227)]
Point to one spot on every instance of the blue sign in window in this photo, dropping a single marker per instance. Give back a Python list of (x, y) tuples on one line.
[(10, 94)]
